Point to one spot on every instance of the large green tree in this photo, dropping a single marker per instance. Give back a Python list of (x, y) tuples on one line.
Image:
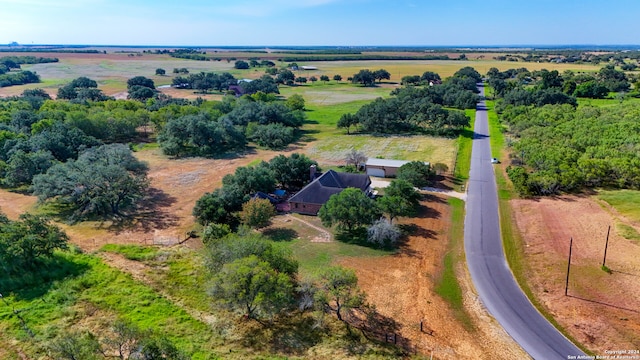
[(292, 171), (381, 74), (257, 213), (338, 292), (350, 209), (417, 173), (24, 242), (395, 206), (252, 287), (403, 189), (103, 181), (364, 77)]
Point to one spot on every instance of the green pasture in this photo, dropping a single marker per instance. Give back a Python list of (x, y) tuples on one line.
[(315, 256), (627, 232), (132, 252), (626, 202), (464, 147), (606, 102), (335, 92), (58, 296)]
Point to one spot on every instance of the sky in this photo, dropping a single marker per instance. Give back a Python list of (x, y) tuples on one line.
[(320, 22)]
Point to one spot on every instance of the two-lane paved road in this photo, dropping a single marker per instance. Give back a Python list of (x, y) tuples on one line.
[(490, 273)]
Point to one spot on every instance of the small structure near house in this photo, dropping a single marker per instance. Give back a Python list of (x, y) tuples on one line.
[(384, 167), (310, 199), (309, 67)]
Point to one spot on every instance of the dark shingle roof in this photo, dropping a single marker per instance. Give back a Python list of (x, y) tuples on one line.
[(329, 183)]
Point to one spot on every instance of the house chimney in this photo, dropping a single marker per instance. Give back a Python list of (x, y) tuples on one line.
[(312, 172)]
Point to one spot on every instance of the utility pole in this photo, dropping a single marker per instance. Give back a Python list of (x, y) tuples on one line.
[(566, 286), (605, 247)]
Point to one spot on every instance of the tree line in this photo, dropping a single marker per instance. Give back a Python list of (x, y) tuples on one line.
[(555, 149), (522, 87), (67, 152), (420, 109)]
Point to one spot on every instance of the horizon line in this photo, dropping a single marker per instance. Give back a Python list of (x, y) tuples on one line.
[(463, 46)]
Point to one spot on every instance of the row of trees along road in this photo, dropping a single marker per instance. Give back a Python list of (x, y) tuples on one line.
[(552, 142), (555, 149), (524, 87)]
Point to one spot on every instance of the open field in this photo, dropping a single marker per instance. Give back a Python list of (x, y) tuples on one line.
[(111, 70), (401, 284), (601, 310), (422, 148)]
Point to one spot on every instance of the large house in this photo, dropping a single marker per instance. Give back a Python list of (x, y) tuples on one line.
[(310, 199)]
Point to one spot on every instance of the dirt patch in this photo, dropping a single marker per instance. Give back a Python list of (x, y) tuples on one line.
[(402, 288), (14, 204), (164, 217), (603, 310)]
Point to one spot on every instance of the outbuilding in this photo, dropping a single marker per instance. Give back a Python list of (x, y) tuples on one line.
[(383, 167)]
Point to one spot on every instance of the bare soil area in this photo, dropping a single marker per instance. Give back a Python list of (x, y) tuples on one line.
[(602, 310), (402, 288), (165, 216), (14, 204)]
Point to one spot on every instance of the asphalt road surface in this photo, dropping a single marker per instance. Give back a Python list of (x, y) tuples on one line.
[(489, 270)]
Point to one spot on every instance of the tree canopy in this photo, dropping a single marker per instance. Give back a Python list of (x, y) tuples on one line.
[(364, 77), (252, 276), (338, 291), (556, 151), (349, 209), (104, 180), (417, 173), (26, 241)]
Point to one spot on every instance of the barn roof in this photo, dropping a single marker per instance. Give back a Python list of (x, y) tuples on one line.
[(387, 162), (329, 183)]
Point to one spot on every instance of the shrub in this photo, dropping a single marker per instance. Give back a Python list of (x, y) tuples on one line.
[(383, 233)]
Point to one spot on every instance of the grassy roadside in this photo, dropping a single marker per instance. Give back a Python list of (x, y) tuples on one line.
[(511, 239), (463, 154), (448, 286)]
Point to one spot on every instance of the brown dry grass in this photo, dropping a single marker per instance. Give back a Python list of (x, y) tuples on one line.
[(165, 216), (602, 311), (14, 204), (402, 288)]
